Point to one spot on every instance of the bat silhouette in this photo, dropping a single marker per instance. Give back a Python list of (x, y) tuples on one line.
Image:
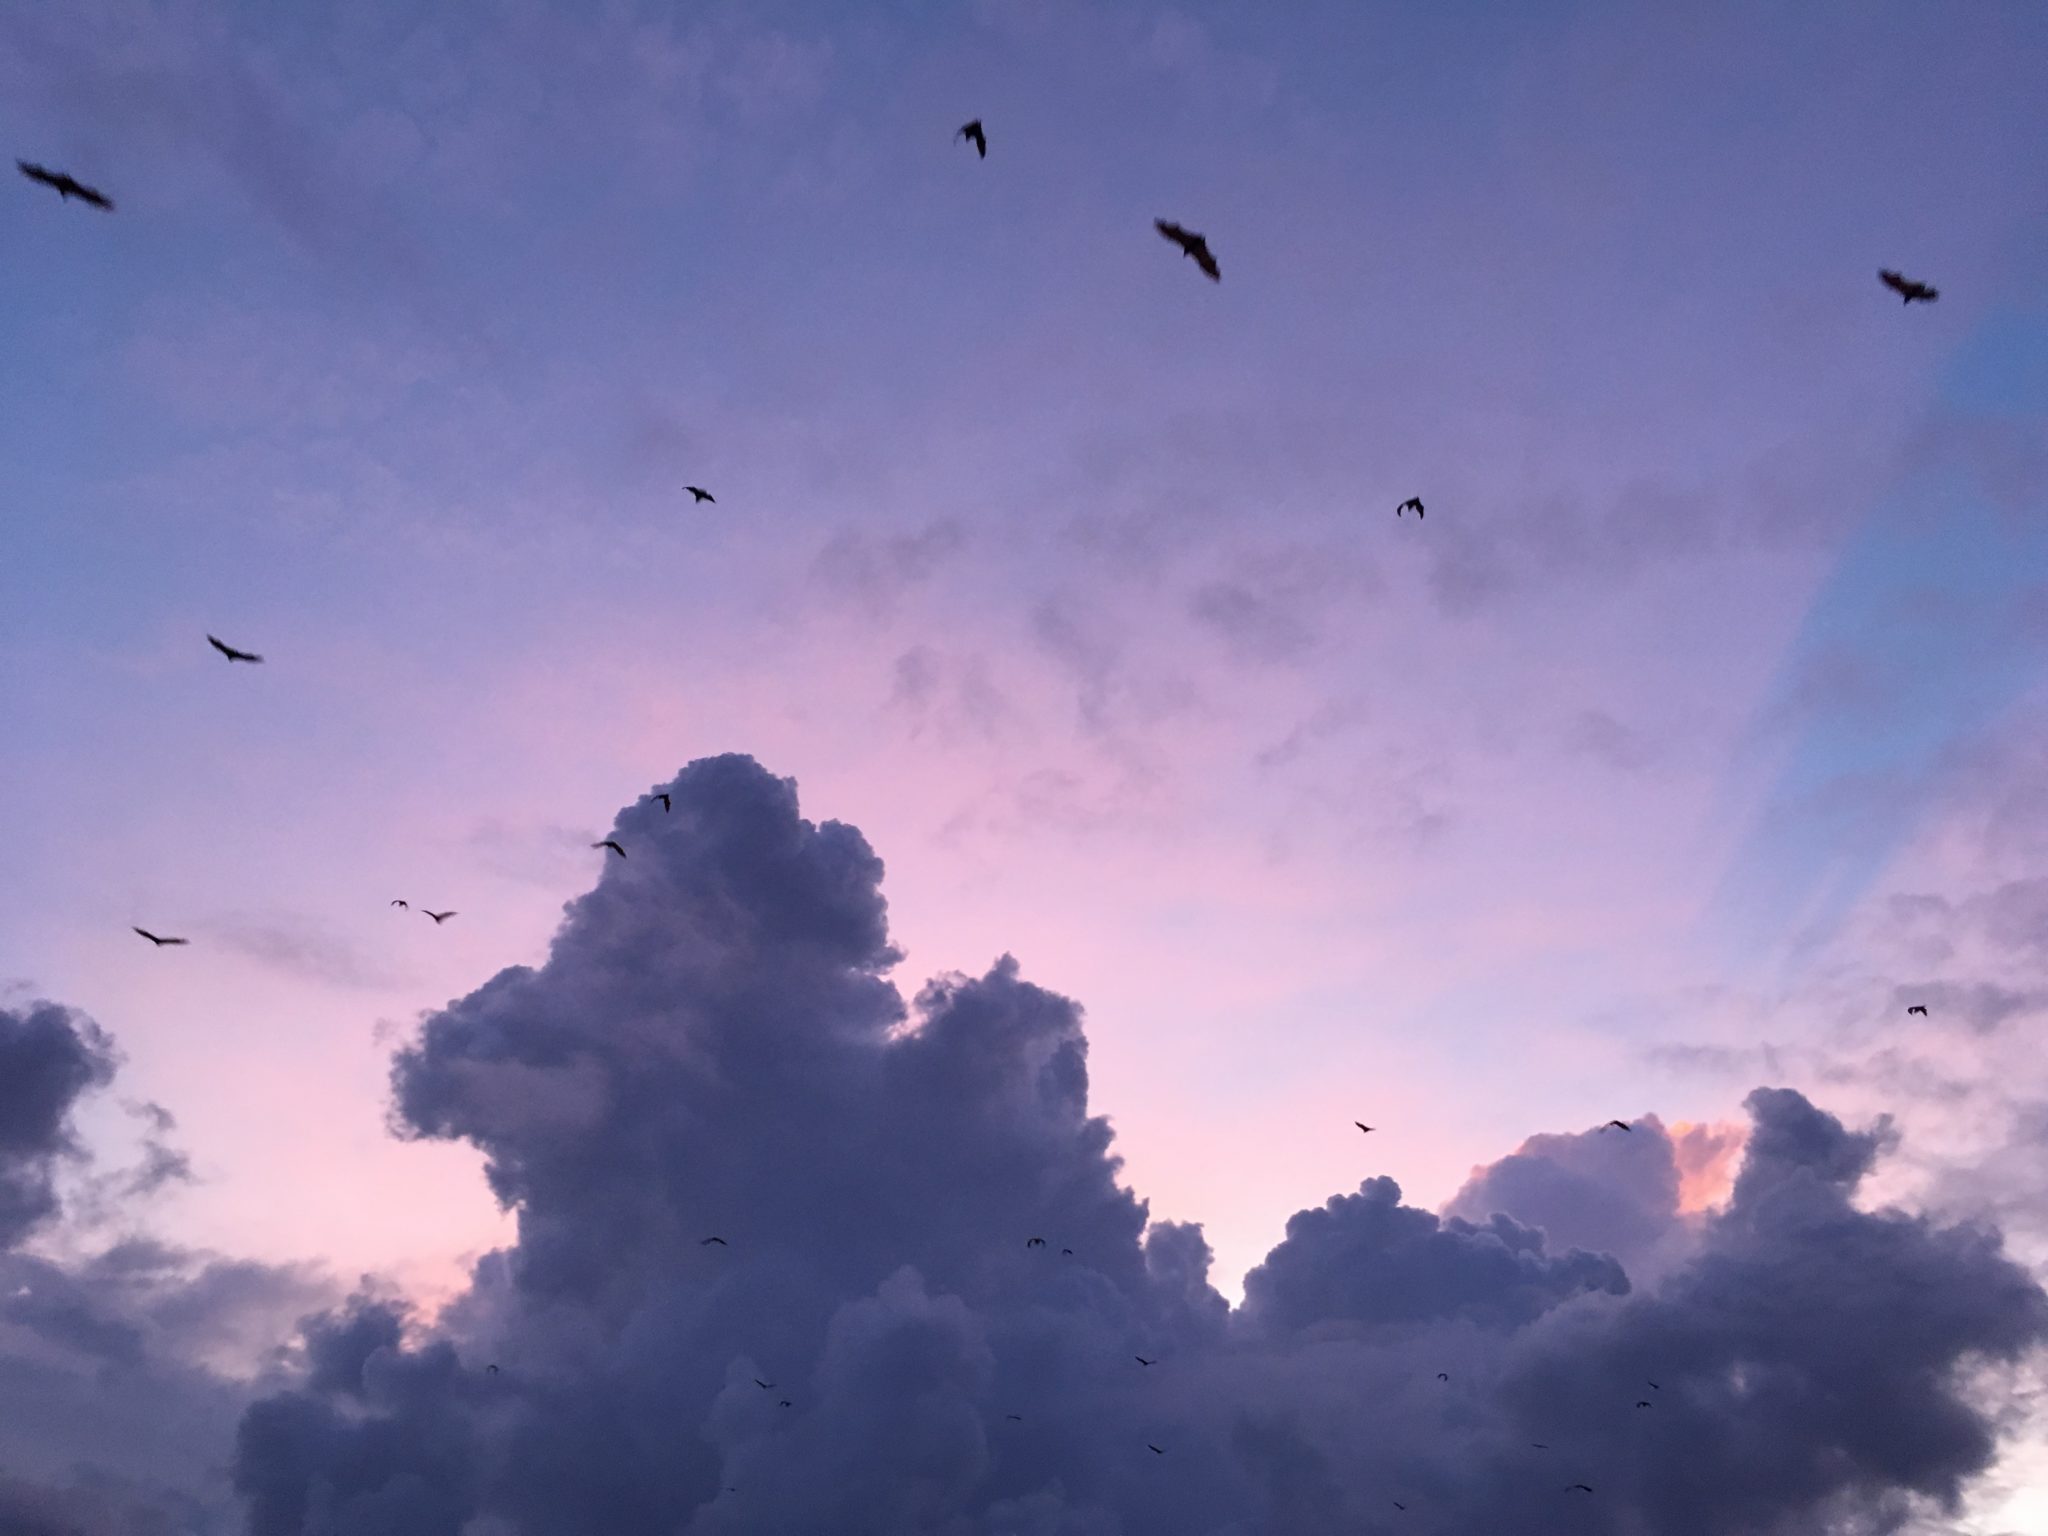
[(611, 844), (1412, 501), (763, 1385), (1640, 1403), (67, 186), (1919, 1008), (492, 1369), (1443, 1375), (1361, 1125), (699, 494), (1581, 1487), (397, 903), (1907, 289), (664, 801), (1617, 1125), (1191, 244), (1154, 1449), (438, 917), (230, 652), (972, 134), (707, 1242), (1014, 1418), (160, 942), (1143, 1361)]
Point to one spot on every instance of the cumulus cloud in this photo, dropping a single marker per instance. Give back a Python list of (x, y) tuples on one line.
[(713, 1048), (135, 1359)]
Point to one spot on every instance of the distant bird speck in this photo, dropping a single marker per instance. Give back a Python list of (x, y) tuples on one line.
[(1191, 244), (492, 1369), (1537, 1445), (1919, 1008), (439, 917), (1641, 1403), (972, 134), (1362, 1125), (1443, 1375), (785, 1403), (708, 1241), (1154, 1449), (699, 494), (763, 1385), (1014, 1418), (230, 652), (1398, 1505), (1034, 1242), (1907, 289), (1617, 1125), (664, 801), (1653, 1384), (612, 844), (1143, 1361), (397, 903), (67, 185), (1412, 501), (160, 942), (1581, 1487)]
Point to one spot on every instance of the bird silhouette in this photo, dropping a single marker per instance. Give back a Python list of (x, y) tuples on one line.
[(1581, 1487), (1919, 1008), (438, 917), (785, 1403), (1907, 289), (1642, 1403), (1191, 244), (664, 801), (1443, 1375), (492, 1369), (160, 942), (1617, 1125), (1068, 1252), (1361, 1125), (707, 1242), (1412, 501), (972, 133), (763, 1385), (612, 844), (1537, 1445), (1398, 1505), (230, 652), (1653, 1384), (699, 494), (1034, 1242), (397, 903), (1154, 1449), (1014, 1418), (67, 186), (1143, 1361)]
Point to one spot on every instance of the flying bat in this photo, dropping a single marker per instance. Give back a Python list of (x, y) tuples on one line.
[(1443, 1375), (160, 942), (1191, 244), (438, 917), (1641, 1403), (1581, 1487), (1617, 1125), (1919, 1008), (763, 1385), (972, 134), (707, 1242), (1143, 1361), (1412, 501), (699, 494), (785, 1403), (1907, 289), (1034, 1242), (611, 844), (1014, 1418), (397, 903), (230, 652), (664, 801), (1154, 1449), (1361, 1125), (492, 1369), (67, 186), (1398, 1505)]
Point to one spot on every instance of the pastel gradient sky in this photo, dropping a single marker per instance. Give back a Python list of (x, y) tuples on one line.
[(1632, 777)]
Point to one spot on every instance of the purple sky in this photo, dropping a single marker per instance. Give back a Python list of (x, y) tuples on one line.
[(1698, 729)]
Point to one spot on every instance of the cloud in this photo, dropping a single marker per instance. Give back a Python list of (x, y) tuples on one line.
[(713, 1047), (298, 949), (49, 1057)]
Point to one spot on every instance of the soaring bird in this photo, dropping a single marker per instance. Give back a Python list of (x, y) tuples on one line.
[(1068, 1252), (230, 652), (1537, 1445), (763, 1385), (972, 134), (492, 1369), (1143, 1361), (1443, 1375), (1398, 1505), (699, 494), (1907, 289), (438, 917), (664, 801), (1412, 501), (160, 942), (1919, 1008), (67, 186), (1653, 1384), (1034, 1242), (785, 1403), (707, 1242), (397, 903), (1617, 1125), (1014, 1418), (1191, 244), (1361, 1125), (1154, 1449), (1581, 1487), (1642, 1403), (611, 844)]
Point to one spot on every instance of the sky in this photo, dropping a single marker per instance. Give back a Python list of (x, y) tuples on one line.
[(1695, 733)]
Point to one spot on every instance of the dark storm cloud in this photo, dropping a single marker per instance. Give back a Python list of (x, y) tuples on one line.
[(1605, 1191), (713, 1048), (49, 1056)]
